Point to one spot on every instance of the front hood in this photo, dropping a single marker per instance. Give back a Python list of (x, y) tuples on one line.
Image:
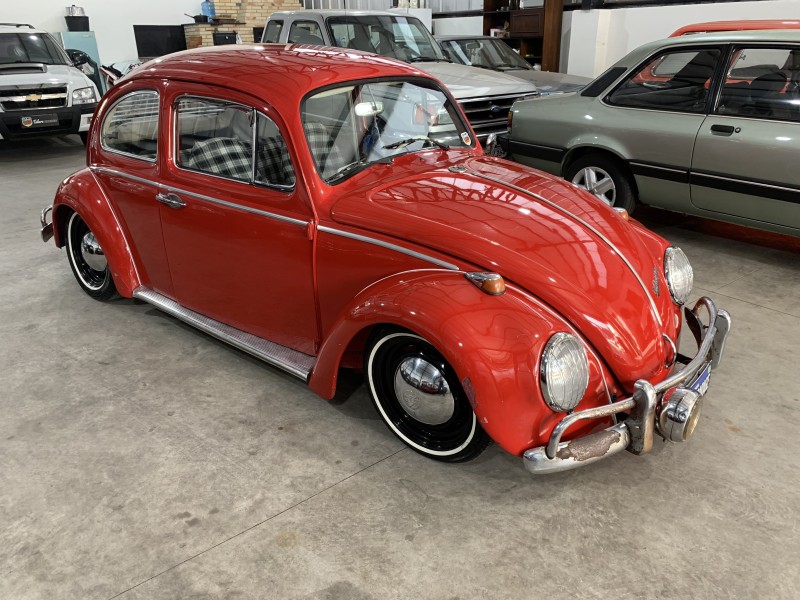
[(577, 268), (53, 75), (471, 82)]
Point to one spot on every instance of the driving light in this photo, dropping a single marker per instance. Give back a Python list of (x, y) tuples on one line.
[(679, 275), (678, 416), (564, 372), (83, 96), (491, 283)]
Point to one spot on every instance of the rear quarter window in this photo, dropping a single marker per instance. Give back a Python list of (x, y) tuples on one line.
[(130, 127)]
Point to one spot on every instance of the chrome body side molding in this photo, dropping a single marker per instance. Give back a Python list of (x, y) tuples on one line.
[(293, 362), (382, 244)]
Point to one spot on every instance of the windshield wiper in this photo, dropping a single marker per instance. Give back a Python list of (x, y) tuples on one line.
[(357, 166), (424, 59), (408, 141)]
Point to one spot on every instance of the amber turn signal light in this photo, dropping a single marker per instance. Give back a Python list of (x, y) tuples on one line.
[(490, 283), (623, 213)]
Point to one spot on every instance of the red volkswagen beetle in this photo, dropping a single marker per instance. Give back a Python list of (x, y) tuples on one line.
[(323, 209)]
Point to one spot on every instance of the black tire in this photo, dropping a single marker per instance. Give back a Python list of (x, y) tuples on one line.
[(84, 137), (443, 426), (607, 172), (94, 278)]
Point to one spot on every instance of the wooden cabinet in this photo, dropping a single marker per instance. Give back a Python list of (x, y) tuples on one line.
[(534, 32)]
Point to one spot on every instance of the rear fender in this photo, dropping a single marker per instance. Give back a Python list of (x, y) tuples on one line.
[(82, 193), (493, 342)]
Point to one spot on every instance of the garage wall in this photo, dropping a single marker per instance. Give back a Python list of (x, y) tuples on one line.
[(111, 20), (599, 38)]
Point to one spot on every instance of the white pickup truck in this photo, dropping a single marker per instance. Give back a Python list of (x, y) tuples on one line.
[(41, 92), (484, 96)]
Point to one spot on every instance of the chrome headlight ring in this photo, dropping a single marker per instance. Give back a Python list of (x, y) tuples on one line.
[(564, 372), (679, 275)]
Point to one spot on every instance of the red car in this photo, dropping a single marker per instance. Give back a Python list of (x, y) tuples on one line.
[(325, 208)]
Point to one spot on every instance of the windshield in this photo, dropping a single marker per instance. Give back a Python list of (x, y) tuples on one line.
[(404, 38), (30, 48), (353, 126), (487, 54)]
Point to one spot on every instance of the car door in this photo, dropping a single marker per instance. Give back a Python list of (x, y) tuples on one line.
[(129, 171), (744, 159), (655, 114), (236, 225)]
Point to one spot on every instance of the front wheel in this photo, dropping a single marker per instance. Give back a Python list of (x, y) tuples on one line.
[(602, 176), (419, 397), (87, 260)]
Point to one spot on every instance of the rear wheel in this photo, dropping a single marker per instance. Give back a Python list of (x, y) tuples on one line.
[(603, 177), (87, 260), (419, 397)]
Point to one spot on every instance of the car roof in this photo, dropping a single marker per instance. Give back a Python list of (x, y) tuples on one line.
[(748, 25), (724, 37), (260, 69)]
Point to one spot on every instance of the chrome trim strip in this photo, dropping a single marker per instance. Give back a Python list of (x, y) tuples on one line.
[(293, 362), (577, 219), (225, 203), (382, 244)]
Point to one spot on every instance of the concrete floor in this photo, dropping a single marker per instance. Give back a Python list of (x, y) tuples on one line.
[(140, 459)]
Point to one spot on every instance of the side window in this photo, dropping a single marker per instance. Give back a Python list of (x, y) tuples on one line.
[(273, 32), (305, 32), (131, 126), (676, 81), (763, 83), (215, 137), (273, 165)]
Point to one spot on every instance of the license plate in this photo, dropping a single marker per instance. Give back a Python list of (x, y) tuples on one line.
[(39, 121), (700, 384)]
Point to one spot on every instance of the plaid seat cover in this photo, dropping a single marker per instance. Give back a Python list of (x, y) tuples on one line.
[(329, 158), (273, 164), (227, 157)]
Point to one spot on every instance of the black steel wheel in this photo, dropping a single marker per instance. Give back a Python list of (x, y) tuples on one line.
[(87, 260), (419, 397)]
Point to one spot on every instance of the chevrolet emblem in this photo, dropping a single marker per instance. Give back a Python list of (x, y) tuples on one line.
[(33, 97)]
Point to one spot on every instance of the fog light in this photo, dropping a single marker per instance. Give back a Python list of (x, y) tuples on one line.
[(679, 414)]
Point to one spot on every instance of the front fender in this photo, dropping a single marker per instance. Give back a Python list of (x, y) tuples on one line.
[(493, 342), (82, 193)]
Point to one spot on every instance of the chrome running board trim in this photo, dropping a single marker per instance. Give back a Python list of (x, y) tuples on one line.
[(293, 362)]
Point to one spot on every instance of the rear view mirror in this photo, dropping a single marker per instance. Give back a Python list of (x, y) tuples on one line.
[(368, 109), (471, 46)]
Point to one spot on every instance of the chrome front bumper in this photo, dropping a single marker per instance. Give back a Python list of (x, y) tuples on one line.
[(637, 431), (47, 227)]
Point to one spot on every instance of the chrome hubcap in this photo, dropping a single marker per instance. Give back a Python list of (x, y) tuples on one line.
[(422, 391), (598, 182), (92, 253)]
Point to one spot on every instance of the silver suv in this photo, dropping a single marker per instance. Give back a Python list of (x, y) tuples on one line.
[(41, 92), (485, 96)]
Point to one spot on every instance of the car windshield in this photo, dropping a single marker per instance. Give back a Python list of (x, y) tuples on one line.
[(353, 126), (30, 48), (404, 38), (485, 53)]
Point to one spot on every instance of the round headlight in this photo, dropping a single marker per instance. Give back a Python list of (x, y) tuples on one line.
[(564, 372), (679, 275)]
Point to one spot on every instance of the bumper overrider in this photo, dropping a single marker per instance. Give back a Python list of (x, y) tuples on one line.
[(670, 408)]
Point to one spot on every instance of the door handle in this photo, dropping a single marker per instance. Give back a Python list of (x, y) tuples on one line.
[(722, 129), (171, 200)]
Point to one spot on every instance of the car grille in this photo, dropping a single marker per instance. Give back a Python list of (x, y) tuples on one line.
[(33, 97), (489, 114)]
